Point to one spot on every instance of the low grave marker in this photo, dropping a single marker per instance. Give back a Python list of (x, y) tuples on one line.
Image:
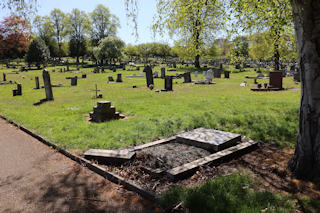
[(104, 112), (18, 91)]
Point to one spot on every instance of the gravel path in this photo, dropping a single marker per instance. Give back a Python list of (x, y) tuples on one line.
[(35, 178)]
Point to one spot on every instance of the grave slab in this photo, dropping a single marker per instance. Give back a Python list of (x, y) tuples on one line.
[(188, 168), (112, 156), (210, 139)]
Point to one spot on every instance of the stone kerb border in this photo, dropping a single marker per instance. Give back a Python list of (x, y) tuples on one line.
[(86, 163)]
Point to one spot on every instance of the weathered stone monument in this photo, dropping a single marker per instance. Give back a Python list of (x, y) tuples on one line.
[(149, 76), (18, 91), (217, 73), (275, 80), (104, 112), (74, 81), (4, 77), (226, 74), (156, 74), (110, 79), (196, 74), (119, 78), (187, 77), (37, 82), (47, 85), (163, 72), (167, 84)]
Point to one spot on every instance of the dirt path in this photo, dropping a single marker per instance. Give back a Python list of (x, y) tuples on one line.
[(36, 178)]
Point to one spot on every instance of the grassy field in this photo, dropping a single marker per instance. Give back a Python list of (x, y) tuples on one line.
[(270, 117)]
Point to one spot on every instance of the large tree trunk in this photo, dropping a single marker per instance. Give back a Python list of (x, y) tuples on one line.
[(306, 160)]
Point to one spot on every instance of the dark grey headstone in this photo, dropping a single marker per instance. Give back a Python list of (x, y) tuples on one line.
[(4, 77), (47, 85), (168, 83), (163, 72), (119, 78), (187, 77), (74, 81), (149, 76), (37, 82)]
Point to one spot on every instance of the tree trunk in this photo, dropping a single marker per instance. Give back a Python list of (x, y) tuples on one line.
[(197, 61), (306, 160)]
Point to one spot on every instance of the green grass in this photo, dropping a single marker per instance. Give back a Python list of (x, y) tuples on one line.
[(270, 117), (232, 193)]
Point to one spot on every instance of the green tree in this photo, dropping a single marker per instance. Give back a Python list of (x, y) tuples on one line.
[(274, 16), (131, 51), (109, 48), (38, 53), (77, 47), (103, 24), (260, 46), (44, 29), (78, 26), (58, 19), (192, 21)]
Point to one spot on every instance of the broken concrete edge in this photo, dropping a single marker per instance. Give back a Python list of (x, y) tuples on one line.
[(188, 168), (154, 143), (86, 163)]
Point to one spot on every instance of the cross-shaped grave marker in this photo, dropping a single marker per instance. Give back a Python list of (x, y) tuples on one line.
[(96, 90)]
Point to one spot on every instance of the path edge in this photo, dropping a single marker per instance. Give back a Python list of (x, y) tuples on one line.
[(86, 163)]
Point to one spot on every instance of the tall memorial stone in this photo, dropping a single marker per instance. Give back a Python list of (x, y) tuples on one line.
[(163, 72), (37, 82), (4, 77), (149, 76), (119, 78), (187, 77), (168, 83), (47, 85)]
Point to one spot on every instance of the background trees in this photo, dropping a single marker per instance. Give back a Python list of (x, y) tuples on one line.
[(103, 24), (38, 53), (58, 20), (14, 37), (109, 48)]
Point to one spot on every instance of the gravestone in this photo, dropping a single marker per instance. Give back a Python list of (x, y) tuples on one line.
[(119, 78), (275, 80), (47, 85), (221, 66), (163, 72), (110, 79), (104, 112), (84, 75), (226, 74), (204, 73), (217, 73), (78, 68), (37, 82), (74, 81), (68, 68), (137, 68), (4, 77), (102, 69), (114, 69), (156, 74), (123, 66), (149, 76), (187, 77), (168, 83), (196, 74), (209, 139), (18, 91), (209, 76)]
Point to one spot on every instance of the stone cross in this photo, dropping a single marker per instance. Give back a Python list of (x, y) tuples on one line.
[(96, 90), (47, 85), (149, 76), (37, 82)]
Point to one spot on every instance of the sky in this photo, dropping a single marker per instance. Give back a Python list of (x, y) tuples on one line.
[(147, 9)]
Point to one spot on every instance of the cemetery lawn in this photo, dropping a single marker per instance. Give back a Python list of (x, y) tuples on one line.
[(269, 117)]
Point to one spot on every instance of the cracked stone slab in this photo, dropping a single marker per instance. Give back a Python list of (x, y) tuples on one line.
[(109, 155), (210, 139)]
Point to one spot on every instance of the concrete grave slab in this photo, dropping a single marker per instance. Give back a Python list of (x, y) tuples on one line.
[(113, 156), (210, 139)]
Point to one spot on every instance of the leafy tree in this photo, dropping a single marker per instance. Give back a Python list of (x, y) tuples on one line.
[(273, 16), (260, 46), (15, 34), (38, 53), (103, 23), (58, 19), (78, 26), (131, 51), (192, 21), (77, 47), (44, 29), (109, 48)]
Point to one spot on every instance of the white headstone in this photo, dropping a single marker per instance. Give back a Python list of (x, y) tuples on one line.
[(196, 74)]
